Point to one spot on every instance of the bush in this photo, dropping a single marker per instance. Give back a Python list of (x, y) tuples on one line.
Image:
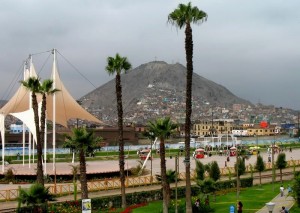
[(9, 175)]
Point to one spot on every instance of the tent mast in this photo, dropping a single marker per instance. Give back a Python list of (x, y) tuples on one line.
[(2, 121), (30, 106), (24, 78), (54, 108)]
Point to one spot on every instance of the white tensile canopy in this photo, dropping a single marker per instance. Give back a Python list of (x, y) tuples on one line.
[(18, 103), (67, 108)]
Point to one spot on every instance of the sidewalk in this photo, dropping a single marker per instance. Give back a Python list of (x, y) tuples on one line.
[(279, 201)]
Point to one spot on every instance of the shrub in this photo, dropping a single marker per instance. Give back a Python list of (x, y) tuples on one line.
[(9, 175)]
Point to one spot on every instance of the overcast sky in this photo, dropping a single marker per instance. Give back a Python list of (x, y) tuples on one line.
[(250, 47)]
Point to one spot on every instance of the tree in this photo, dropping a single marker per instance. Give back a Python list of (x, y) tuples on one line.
[(74, 170), (260, 166), (33, 85), (239, 168), (45, 89), (200, 170), (207, 186), (171, 178), (84, 143), (296, 188), (181, 17), (36, 198), (281, 164), (215, 172), (163, 128), (116, 66)]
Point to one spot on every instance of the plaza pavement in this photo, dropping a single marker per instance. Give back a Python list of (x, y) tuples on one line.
[(104, 166), (113, 165)]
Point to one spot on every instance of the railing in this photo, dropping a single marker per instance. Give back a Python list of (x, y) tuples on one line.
[(108, 184)]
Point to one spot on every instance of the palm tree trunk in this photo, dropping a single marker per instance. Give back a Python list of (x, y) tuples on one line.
[(260, 178), (39, 171), (121, 142), (189, 81), (42, 131), (83, 179), (163, 175), (281, 175)]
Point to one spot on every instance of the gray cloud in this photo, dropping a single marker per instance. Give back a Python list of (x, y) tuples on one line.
[(250, 47)]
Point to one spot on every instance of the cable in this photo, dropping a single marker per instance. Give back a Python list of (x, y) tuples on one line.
[(76, 69), (12, 83)]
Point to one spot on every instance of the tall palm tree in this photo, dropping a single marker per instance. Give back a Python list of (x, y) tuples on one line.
[(163, 128), (45, 89), (33, 85), (116, 65), (181, 17), (84, 143)]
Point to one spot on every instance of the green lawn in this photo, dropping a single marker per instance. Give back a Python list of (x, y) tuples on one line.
[(253, 199)]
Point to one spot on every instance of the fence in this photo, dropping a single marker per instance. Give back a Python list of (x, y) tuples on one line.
[(108, 184)]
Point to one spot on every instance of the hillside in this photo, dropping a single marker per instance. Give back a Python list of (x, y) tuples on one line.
[(157, 89)]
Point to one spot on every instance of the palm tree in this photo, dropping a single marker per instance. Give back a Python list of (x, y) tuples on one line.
[(116, 66), (45, 89), (33, 85), (170, 177), (74, 170), (163, 128), (36, 198), (181, 17), (84, 143)]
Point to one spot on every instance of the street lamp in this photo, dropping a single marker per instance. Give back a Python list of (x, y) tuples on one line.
[(186, 161), (176, 175), (273, 166), (270, 206), (237, 173)]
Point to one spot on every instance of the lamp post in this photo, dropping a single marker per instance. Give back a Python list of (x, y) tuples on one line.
[(270, 206), (273, 166), (212, 122), (151, 178), (176, 175), (256, 140), (237, 173)]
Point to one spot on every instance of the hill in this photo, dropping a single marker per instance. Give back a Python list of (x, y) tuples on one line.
[(157, 89)]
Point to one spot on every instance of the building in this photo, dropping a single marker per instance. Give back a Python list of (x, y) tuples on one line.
[(110, 137), (257, 130), (213, 127)]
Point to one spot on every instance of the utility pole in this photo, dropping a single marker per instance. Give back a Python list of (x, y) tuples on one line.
[(298, 126), (273, 167), (237, 174), (212, 122), (176, 174)]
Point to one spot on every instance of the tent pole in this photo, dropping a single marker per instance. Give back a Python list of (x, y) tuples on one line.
[(29, 150), (24, 77), (2, 132), (23, 144), (54, 108), (30, 106), (45, 148), (33, 151)]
